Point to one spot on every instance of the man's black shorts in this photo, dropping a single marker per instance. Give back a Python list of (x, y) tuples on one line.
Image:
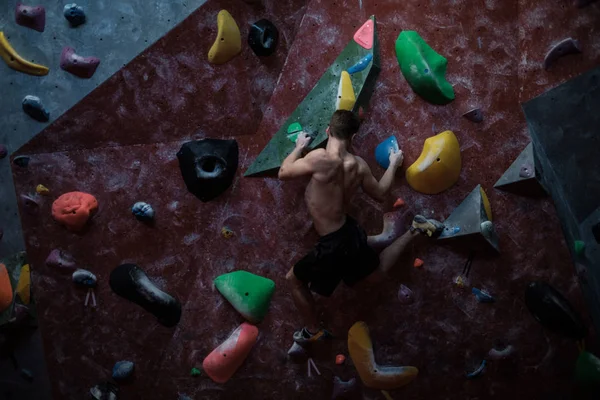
[(340, 255)]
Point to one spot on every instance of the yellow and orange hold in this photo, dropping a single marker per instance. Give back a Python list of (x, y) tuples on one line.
[(228, 43), (24, 285), (345, 97), (18, 63)]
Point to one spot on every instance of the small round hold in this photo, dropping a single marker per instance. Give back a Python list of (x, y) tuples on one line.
[(263, 38), (226, 232), (21, 161), (74, 14), (339, 359), (3, 151), (43, 190), (84, 278), (143, 211), (526, 171), (405, 295), (122, 370), (487, 229)]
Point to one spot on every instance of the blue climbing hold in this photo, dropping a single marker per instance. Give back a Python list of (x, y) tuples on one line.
[(361, 64), (143, 211), (482, 296), (33, 107), (21, 161), (74, 14), (122, 370), (478, 371), (382, 151)]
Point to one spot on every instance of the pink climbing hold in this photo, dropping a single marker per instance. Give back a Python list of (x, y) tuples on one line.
[(33, 17), (223, 361), (61, 260), (364, 35), (83, 67)]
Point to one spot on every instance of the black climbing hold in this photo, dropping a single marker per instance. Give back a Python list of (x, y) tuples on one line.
[(74, 14), (105, 391), (553, 311), (263, 38), (32, 105), (132, 283), (21, 161), (84, 278), (30, 204), (208, 166)]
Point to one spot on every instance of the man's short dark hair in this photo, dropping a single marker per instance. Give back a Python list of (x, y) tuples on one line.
[(343, 124)]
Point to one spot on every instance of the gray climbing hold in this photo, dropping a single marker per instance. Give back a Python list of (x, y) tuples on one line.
[(74, 14), (521, 177), (105, 391), (32, 105), (30, 204), (84, 278), (122, 370), (33, 17), (297, 353), (562, 48), (21, 161), (526, 171), (487, 230), (143, 211), (342, 389), (405, 295), (474, 115), (477, 371), (500, 352), (3, 151)]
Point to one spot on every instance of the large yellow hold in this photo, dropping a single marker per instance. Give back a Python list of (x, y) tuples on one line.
[(18, 63), (228, 43), (372, 375), (24, 285), (345, 97), (438, 166)]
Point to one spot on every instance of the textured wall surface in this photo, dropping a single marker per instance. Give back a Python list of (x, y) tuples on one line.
[(119, 143)]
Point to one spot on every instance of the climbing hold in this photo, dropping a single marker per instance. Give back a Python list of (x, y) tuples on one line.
[(263, 38), (223, 361), (83, 67), (74, 14), (143, 211), (418, 263), (226, 232), (297, 353), (345, 96), (474, 115), (526, 171), (208, 166), (423, 68), (587, 369), (384, 149), (74, 209), (18, 63), (293, 131), (131, 282), (184, 397), (21, 161), (399, 203), (122, 370), (438, 166), (105, 391), (195, 372), (3, 151), (553, 311), (487, 230), (342, 389), (6, 292), (579, 248), (339, 359), (249, 294), (477, 372), (361, 64), (30, 204), (60, 259), (27, 374), (374, 376), (482, 296), (85, 278), (24, 285), (364, 35), (43, 190), (33, 17), (459, 281), (405, 295), (521, 177), (500, 353), (228, 43), (562, 48), (33, 107)]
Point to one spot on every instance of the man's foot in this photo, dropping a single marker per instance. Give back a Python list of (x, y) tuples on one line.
[(304, 336), (430, 227)]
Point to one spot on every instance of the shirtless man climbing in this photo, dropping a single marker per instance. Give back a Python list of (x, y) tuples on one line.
[(343, 251)]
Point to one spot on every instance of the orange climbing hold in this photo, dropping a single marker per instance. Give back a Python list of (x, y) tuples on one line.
[(418, 263), (364, 35), (73, 209), (399, 203), (223, 361), (6, 293), (339, 359)]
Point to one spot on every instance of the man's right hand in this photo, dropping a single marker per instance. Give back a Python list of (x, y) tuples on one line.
[(396, 158), (303, 140)]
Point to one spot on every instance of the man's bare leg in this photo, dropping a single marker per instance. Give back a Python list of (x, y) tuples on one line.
[(304, 301), (392, 226)]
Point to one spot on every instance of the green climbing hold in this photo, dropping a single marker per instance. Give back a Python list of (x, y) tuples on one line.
[(423, 68), (293, 130), (579, 247), (249, 294), (195, 372), (587, 369)]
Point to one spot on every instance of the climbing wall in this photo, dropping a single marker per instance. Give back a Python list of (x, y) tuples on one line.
[(120, 144)]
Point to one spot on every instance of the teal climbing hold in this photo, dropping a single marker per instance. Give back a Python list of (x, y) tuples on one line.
[(579, 247), (587, 369), (249, 294), (423, 68), (293, 131)]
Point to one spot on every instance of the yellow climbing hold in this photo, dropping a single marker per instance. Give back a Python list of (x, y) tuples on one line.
[(374, 376), (43, 190), (24, 285), (438, 166), (16, 62), (228, 43), (345, 96), (486, 204)]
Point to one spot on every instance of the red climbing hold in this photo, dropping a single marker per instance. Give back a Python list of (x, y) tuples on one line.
[(399, 203), (83, 67), (339, 359), (364, 35), (223, 361), (418, 263)]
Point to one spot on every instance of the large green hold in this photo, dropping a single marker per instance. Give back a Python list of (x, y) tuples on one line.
[(249, 294), (423, 68), (587, 369), (315, 111)]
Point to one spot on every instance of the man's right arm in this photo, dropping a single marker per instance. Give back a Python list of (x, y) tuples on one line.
[(378, 190)]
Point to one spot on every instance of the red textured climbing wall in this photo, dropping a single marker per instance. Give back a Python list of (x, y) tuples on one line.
[(119, 143)]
